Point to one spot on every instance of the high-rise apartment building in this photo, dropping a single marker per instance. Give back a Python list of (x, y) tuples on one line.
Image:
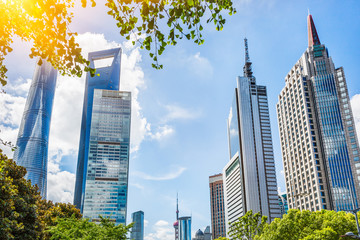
[(137, 231), (249, 177), (32, 143), (185, 228), (317, 132), (217, 207), (102, 172)]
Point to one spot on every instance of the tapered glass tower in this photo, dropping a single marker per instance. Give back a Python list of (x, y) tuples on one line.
[(102, 172), (318, 138), (249, 177), (33, 137)]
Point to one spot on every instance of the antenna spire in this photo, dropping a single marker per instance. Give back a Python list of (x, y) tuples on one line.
[(177, 207), (247, 66), (313, 37)]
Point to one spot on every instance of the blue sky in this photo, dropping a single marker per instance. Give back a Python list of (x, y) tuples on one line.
[(179, 133)]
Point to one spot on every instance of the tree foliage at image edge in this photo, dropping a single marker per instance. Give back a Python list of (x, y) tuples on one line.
[(154, 24)]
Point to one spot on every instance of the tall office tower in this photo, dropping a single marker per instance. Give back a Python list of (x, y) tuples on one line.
[(318, 138), (176, 223), (137, 231), (33, 137), (217, 208), (102, 171), (185, 228), (249, 177)]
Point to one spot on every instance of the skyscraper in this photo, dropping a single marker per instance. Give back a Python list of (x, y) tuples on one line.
[(217, 208), (317, 132), (249, 177), (103, 162), (185, 228), (137, 231), (33, 137)]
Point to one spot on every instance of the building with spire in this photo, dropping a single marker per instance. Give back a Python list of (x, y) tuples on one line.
[(319, 146), (249, 177), (33, 139)]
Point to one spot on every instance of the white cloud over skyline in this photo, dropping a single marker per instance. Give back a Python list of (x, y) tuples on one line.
[(162, 230), (167, 176), (176, 112)]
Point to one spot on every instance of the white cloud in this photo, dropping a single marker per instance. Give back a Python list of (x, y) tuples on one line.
[(162, 230), (167, 176), (162, 133), (12, 104), (355, 100), (137, 185), (61, 186), (176, 112), (200, 66)]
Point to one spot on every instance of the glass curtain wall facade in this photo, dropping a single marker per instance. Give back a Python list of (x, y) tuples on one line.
[(102, 172), (109, 79), (33, 137), (217, 207), (108, 159), (317, 132), (185, 228), (137, 231), (249, 177)]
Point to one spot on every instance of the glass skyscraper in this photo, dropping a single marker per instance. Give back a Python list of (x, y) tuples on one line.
[(137, 231), (102, 172), (317, 132), (185, 228), (249, 177), (33, 137)]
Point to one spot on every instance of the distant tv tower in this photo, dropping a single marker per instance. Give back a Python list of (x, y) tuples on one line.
[(177, 207), (176, 223)]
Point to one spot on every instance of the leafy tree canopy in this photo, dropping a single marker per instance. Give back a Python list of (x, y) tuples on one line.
[(307, 225), (248, 226), (18, 217), (296, 225), (23, 213), (153, 23), (72, 228)]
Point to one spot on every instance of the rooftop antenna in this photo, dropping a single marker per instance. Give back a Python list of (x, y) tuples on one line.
[(177, 206), (247, 66)]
